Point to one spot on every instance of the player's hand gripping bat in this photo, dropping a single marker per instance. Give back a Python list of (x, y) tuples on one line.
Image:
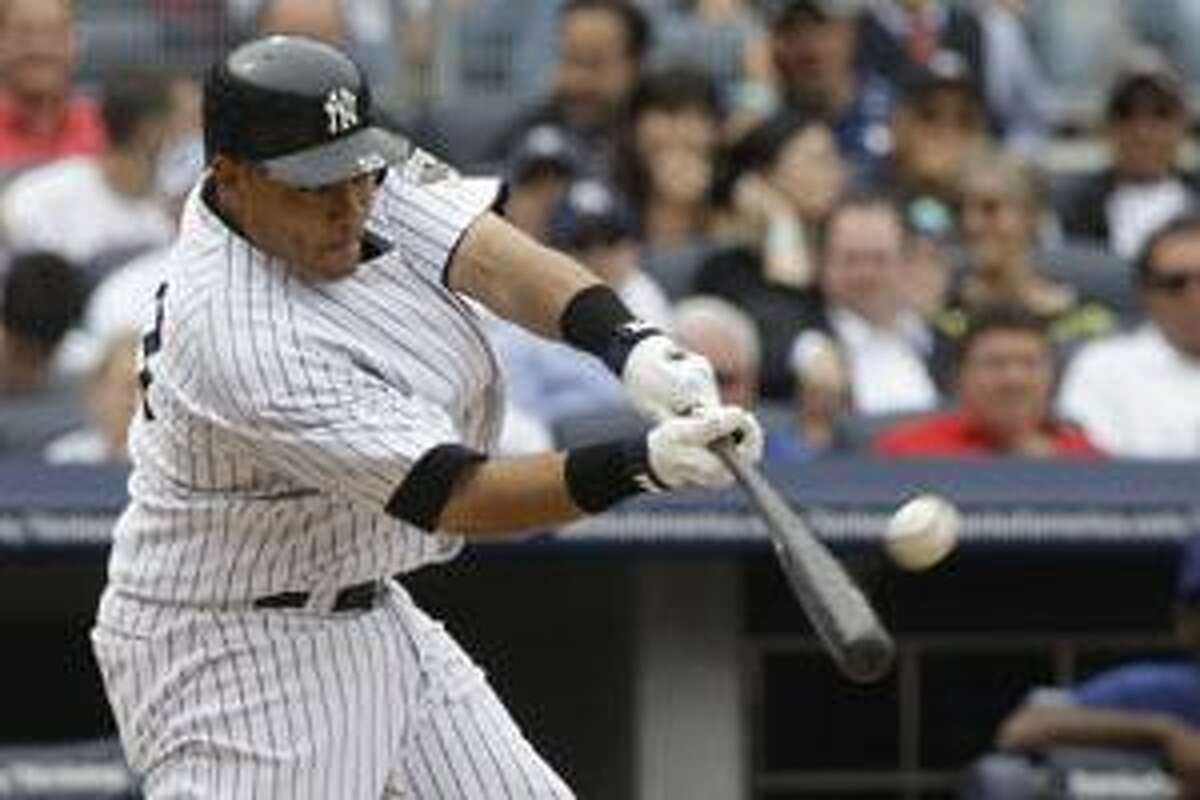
[(836, 607)]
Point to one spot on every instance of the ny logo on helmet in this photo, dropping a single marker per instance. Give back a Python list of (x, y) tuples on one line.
[(341, 107)]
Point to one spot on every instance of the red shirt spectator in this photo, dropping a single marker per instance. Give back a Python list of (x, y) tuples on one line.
[(79, 132), (41, 118), (1005, 381), (953, 434)]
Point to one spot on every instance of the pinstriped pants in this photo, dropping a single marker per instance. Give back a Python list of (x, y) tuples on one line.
[(264, 703)]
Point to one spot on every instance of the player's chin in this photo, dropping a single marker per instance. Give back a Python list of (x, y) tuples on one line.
[(336, 261)]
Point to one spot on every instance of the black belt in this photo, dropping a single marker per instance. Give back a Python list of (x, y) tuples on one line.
[(356, 597)]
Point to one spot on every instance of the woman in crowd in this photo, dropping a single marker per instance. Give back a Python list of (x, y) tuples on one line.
[(1001, 220), (667, 159), (784, 177)]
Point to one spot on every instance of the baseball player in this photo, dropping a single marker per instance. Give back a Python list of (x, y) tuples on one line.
[(318, 410)]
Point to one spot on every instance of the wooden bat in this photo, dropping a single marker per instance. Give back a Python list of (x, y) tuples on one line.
[(841, 615)]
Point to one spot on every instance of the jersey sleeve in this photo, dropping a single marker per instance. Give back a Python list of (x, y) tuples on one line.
[(425, 207)]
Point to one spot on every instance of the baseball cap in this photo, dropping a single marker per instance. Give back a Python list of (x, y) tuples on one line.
[(777, 11), (590, 212), (543, 146), (1146, 71), (298, 108)]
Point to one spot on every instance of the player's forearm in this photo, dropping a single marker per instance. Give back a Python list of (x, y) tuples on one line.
[(516, 277), (510, 495), (1039, 727)]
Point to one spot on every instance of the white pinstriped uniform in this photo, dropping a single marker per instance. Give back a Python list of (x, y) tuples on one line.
[(285, 415)]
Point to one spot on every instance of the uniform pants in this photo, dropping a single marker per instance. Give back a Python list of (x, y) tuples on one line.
[(283, 703)]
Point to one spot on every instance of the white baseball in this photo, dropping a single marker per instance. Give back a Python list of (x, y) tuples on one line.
[(923, 532)]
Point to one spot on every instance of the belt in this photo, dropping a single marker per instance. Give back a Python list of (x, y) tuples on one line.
[(356, 597)]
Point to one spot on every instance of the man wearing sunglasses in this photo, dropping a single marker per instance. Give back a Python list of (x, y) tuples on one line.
[(1146, 126), (1138, 394)]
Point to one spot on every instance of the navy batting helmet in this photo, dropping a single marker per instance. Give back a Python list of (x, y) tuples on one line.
[(298, 108)]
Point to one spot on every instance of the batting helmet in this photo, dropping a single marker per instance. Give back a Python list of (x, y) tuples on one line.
[(298, 108)]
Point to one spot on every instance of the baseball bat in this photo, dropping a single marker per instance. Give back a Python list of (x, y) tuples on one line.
[(841, 615)]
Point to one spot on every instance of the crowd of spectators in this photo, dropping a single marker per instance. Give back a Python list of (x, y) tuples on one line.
[(871, 183)]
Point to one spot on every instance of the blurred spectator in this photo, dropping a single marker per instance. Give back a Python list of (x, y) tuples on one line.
[(121, 298), (721, 33), (42, 296), (1082, 50), (1147, 122), (728, 338), (666, 164), (1001, 218), (365, 28), (1142, 706), (40, 117), (895, 360), (811, 69), (937, 125), (594, 224), (601, 45), (902, 38), (539, 170), (1173, 26), (1004, 388), (1137, 394), (320, 19), (111, 394), (1079, 49), (101, 210), (784, 178)]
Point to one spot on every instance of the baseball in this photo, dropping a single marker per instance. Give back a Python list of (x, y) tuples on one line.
[(923, 532)]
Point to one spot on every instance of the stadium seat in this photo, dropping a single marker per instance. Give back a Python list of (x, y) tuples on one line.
[(1096, 273)]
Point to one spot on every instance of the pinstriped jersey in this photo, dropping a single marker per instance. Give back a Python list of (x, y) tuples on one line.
[(281, 415)]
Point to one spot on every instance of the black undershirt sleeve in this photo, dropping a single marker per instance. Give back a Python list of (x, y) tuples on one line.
[(423, 495)]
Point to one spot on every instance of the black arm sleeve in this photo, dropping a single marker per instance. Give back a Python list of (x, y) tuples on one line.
[(423, 495)]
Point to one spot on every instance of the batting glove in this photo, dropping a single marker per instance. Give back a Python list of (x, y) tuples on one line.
[(679, 453), (663, 380)]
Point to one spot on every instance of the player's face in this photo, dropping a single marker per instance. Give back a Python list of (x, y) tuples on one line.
[(317, 231), (1005, 382)]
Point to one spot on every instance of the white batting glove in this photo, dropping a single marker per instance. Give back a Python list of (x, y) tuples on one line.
[(663, 380), (678, 447)]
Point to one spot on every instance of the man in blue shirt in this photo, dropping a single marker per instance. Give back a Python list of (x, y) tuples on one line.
[(1152, 706)]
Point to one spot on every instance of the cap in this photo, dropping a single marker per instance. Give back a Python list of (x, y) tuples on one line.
[(1145, 70), (777, 11), (543, 146), (589, 212), (299, 108)]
